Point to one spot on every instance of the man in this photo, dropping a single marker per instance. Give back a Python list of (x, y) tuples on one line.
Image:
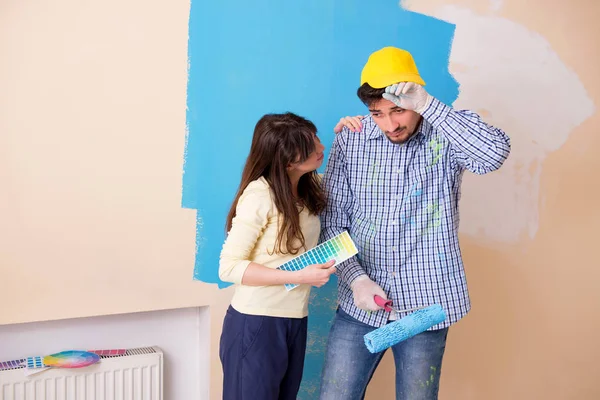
[(394, 184)]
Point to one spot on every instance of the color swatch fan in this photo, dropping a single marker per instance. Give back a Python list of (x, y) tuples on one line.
[(338, 248), (71, 359)]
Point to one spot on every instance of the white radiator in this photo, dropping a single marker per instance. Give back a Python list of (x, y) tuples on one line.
[(136, 375)]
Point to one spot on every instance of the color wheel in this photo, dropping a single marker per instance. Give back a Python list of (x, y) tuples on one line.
[(71, 359)]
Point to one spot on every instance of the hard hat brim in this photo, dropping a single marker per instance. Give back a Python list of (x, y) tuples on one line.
[(384, 81)]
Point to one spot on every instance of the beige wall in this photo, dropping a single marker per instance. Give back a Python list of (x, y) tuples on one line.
[(92, 128), (92, 131)]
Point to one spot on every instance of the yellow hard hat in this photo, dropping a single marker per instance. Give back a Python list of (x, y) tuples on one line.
[(390, 65)]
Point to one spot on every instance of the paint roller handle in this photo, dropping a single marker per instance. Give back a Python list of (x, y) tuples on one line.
[(383, 303)]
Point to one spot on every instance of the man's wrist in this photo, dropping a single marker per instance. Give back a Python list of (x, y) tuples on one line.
[(428, 100), (358, 279)]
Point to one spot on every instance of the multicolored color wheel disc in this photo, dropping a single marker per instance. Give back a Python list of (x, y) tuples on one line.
[(71, 359)]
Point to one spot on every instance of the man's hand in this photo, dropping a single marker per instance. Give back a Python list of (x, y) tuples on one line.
[(352, 123), (364, 291), (409, 96)]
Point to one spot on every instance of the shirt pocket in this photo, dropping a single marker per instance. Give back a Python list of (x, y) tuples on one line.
[(367, 183)]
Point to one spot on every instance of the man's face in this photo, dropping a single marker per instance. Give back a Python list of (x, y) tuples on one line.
[(398, 124)]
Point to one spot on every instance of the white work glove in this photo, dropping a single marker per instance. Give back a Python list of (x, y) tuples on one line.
[(364, 291), (409, 96)]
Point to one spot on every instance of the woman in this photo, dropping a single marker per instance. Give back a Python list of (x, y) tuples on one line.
[(274, 218)]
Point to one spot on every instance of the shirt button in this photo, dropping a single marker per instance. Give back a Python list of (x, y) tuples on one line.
[(399, 171), (394, 222), (394, 248)]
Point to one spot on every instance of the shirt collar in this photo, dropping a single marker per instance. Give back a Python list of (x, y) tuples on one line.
[(372, 131)]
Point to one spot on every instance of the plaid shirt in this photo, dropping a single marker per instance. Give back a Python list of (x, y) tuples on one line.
[(400, 205)]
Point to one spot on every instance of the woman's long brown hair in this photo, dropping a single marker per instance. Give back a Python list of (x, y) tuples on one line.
[(280, 140)]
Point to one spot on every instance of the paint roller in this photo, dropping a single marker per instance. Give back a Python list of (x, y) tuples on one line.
[(421, 319)]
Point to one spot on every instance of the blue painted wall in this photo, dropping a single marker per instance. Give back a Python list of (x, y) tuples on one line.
[(252, 58)]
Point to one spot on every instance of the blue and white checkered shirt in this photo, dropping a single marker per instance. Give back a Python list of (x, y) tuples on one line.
[(400, 205)]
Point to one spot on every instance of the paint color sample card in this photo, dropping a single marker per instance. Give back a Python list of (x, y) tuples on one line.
[(14, 364), (35, 362), (338, 248), (109, 353)]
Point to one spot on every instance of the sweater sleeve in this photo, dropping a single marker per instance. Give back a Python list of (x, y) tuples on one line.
[(252, 215)]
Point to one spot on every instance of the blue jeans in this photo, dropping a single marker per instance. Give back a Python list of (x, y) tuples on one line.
[(349, 366)]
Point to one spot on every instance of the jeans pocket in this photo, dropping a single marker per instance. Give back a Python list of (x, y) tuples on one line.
[(232, 329), (344, 316), (252, 327)]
